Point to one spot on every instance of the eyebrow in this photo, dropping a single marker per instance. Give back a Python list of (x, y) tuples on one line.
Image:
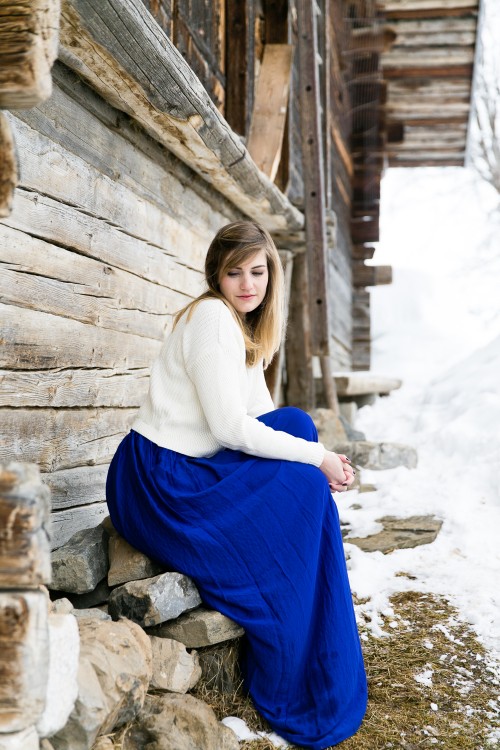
[(239, 268)]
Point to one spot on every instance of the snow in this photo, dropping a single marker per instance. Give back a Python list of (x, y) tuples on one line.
[(438, 328), (242, 732)]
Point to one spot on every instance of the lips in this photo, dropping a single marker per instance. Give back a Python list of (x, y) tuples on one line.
[(246, 296)]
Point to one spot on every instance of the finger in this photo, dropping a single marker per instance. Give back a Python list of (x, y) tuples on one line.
[(343, 458)]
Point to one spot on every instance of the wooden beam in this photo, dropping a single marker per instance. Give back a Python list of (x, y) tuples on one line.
[(363, 252), (430, 71), (267, 127), (364, 275), (28, 48), (299, 372), (313, 173), (8, 167), (472, 9), (127, 58)]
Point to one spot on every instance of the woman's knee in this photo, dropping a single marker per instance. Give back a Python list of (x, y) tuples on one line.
[(292, 420)]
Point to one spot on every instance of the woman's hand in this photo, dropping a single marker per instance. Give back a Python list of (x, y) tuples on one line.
[(338, 471)]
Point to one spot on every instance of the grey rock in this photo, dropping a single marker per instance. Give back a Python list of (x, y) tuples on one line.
[(330, 428), (128, 564), (350, 432), (92, 612), (178, 722), (80, 564), (154, 600), (200, 627), (99, 595), (114, 673), (381, 456), (400, 533), (174, 668), (61, 606)]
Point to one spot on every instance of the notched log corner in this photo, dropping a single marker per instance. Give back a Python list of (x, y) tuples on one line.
[(29, 40), (9, 170)]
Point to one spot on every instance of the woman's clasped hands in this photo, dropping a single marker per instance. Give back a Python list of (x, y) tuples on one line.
[(338, 470)]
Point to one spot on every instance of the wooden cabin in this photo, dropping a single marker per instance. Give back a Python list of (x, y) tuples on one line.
[(133, 129)]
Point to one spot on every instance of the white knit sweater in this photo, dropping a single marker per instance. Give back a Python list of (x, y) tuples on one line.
[(202, 396)]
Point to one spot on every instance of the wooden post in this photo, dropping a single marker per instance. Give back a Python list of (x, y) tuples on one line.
[(267, 128), (24, 564), (299, 371), (8, 167), (314, 192)]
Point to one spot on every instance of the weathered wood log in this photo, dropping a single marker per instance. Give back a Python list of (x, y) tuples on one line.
[(83, 485), (363, 383), (125, 56), (77, 230), (24, 527), (63, 438), (34, 340), (300, 381), (443, 5), (363, 252), (365, 229), (28, 48), (429, 70), (23, 658), (267, 127), (364, 275), (146, 169), (82, 288), (76, 182), (74, 387), (435, 11), (313, 175), (8, 166)]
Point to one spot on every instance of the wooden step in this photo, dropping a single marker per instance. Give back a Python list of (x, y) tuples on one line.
[(363, 383)]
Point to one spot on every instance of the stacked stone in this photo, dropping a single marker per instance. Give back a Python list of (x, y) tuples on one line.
[(140, 630)]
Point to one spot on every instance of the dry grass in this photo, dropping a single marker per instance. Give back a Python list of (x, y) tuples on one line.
[(429, 636)]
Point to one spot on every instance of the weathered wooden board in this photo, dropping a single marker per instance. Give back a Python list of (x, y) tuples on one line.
[(58, 439), (74, 387), (28, 48), (73, 181), (24, 656), (267, 126), (77, 487), (364, 383), (443, 5), (364, 275), (8, 167), (24, 518), (33, 340), (80, 132), (40, 276), (66, 225), (65, 523), (130, 61)]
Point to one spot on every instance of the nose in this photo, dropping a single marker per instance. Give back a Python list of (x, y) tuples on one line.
[(246, 281)]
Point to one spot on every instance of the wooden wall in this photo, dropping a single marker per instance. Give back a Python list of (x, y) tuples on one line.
[(106, 240)]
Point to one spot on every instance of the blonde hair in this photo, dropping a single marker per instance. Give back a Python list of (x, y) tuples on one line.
[(233, 245)]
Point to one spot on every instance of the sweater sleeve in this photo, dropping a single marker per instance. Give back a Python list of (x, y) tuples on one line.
[(216, 374)]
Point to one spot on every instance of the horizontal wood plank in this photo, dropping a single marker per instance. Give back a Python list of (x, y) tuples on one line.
[(74, 387), (75, 487), (62, 224), (73, 181), (33, 340), (40, 276), (58, 439)]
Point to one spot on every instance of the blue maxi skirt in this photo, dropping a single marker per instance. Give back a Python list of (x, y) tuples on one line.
[(261, 540)]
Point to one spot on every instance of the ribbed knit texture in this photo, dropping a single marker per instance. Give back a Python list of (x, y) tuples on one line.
[(202, 396)]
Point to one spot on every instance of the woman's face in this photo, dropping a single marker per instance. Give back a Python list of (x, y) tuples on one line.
[(245, 286)]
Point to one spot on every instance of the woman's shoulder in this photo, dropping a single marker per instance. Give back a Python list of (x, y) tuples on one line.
[(210, 320)]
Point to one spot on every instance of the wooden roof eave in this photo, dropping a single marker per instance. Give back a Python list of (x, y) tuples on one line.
[(122, 52)]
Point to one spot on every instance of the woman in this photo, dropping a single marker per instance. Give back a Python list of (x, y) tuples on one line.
[(215, 483)]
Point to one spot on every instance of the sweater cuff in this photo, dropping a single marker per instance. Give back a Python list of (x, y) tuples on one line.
[(318, 451)]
